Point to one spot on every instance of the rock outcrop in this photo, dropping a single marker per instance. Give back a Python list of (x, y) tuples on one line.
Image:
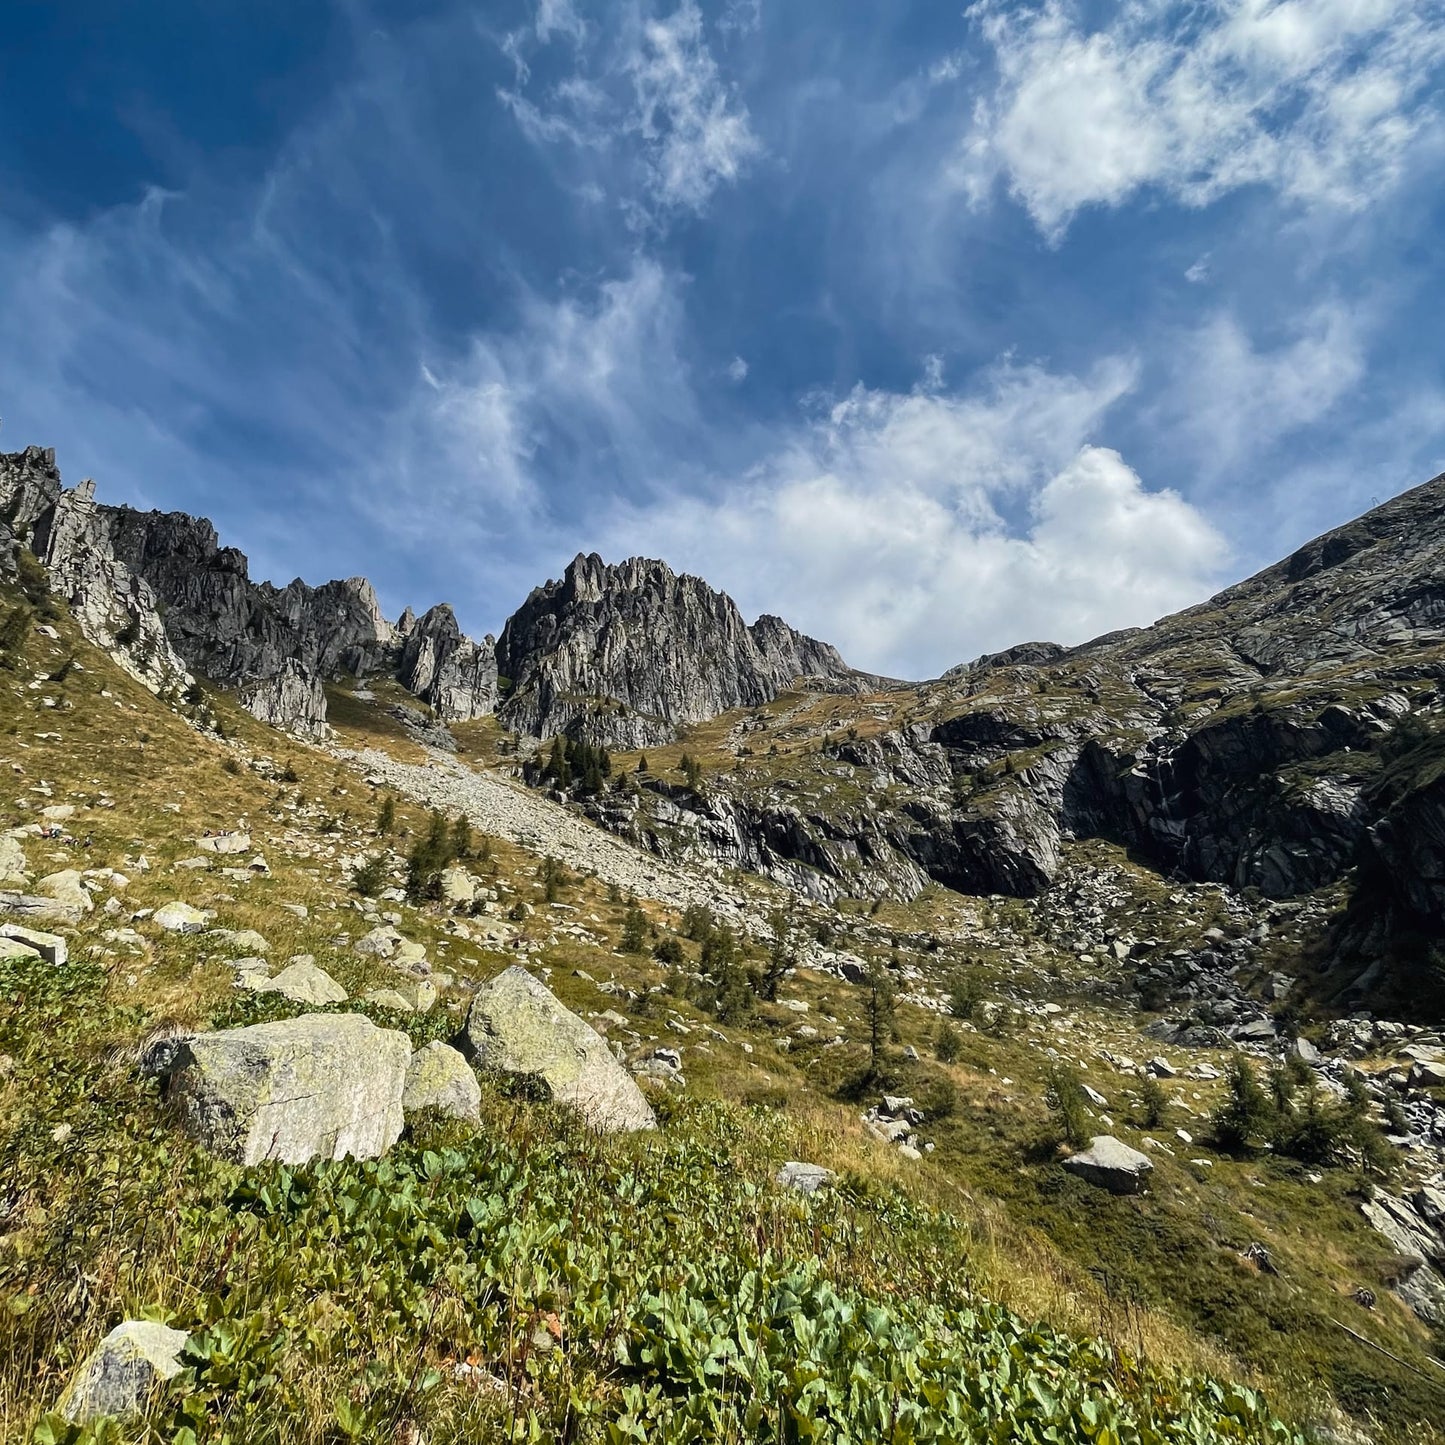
[(517, 1026), (625, 653), (316, 1087), (445, 668)]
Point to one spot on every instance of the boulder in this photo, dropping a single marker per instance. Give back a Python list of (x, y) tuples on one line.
[(50, 946), (31, 905), (316, 1087), (420, 993), (387, 998), (122, 1371), (381, 942), (1110, 1165), (516, 1025), (243, 938), (13, 867), (225, 843), (457, 885), (440, 1079), (13, 948), (805, 1178), (66, 887), (303, 982), (182, 918)]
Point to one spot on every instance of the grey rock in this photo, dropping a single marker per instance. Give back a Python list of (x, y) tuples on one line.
[(805, 1178), (182, 918), (440, 1079), (13, 867), (316, 1087), (50, 946), (1110, 1164), (117, 1378), (516, 1025), (303, 982)]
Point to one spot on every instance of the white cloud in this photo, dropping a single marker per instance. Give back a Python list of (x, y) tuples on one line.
[(1229, 400), (737, 369), (1198, 273), (653, 84), (697, 134), (1318, 99), (918, 530)]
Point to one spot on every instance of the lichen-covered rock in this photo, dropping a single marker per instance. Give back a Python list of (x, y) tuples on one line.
[(50, 946), (457, 885), (302, 981), (120, 1374), (316, 1087), (1110, 1164), (805, 1178), (66, 887), (182, 918), (440, 1079), (13, 867), (516, 1025)]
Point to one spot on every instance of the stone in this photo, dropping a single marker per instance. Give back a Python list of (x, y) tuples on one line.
[(303, 982), (387, 998), (320, 1086), (13, 948), (1161, 1067), (381, 942), (246, 938), (1427, 1075), (31, 905), (669, 647), (13, 868), (516, 1025), (225, 843), (1303, 1050), (50, 946), (1109, 1164), (182, 918), (58, 812), (457, 885), (420, 993), (805, 1178), (119, 1375), (440, 1079)]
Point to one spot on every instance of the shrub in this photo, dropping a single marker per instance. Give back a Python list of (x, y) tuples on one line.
[(386, 816), (369, 878), (1069, 1105), (947, 1045), (634, 931), (668, 951), (965, 993), (1153, 1103), (1245, 1114)]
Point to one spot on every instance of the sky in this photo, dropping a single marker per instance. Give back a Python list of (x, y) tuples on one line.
[(929, 328)]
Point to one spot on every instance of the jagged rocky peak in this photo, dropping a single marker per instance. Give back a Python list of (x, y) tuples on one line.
[(159, 591), (439, 663), (630, 650)]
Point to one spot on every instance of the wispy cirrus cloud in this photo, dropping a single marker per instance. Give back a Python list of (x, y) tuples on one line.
[(651, 93)]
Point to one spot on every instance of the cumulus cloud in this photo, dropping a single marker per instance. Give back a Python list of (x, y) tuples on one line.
[(1317, 99), (917, 530)]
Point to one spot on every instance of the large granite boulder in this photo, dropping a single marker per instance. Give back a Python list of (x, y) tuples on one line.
[(1109, 1164), (316, 1087), (440, 1080), (122, 1371), (517, 1025), (302, 981)]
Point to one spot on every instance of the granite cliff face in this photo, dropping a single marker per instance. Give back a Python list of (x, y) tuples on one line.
[(1287, 736), (626, 653)]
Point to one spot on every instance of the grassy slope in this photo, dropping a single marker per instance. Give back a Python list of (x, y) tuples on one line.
[(120, 1216)]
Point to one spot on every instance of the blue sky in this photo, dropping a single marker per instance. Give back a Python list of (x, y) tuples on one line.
[(930, 328)]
